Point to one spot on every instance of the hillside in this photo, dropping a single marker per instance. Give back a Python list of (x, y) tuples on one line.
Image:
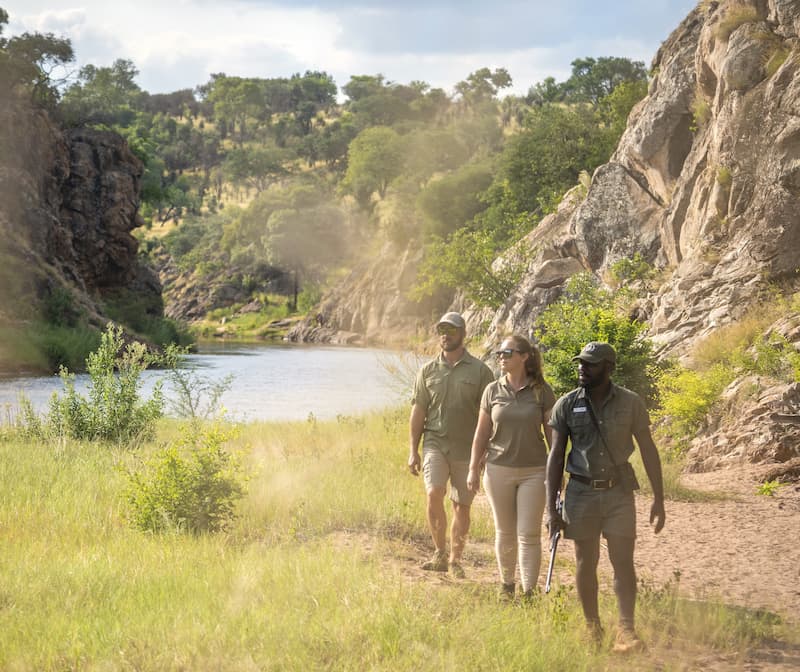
[(68, 202), (704, 186)]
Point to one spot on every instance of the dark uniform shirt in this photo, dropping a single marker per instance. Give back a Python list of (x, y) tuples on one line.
[(621, 416), (451, 397), (517, 417)]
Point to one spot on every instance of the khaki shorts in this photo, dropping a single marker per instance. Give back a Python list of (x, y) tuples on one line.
[(437, 468), (589, 513)]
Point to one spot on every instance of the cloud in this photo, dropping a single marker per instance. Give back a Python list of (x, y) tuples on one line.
[(178, 44)]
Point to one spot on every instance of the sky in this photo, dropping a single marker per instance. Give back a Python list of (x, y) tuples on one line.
[(177, 44)]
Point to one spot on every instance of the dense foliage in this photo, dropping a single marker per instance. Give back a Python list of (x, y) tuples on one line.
[(587, 312), (269, 176)]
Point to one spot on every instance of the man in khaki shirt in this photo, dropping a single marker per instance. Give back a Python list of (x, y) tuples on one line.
[(601, 419), (446, 399)]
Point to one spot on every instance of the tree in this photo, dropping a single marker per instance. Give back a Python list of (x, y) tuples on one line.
[(107, 95), (617, 105), (235, 100), (545, 159), (546, 91), (361, 86), (593, 79), (483, 85), (310, 93), (466, 261), (255, 167), (453, 201), (30, 60), (375, 158)]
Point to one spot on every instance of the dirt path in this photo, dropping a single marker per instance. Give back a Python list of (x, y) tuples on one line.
[(742, 549)]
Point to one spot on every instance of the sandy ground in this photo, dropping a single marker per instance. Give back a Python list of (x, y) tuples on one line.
[(742, 549)]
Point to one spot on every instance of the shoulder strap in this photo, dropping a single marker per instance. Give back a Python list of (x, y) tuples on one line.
[(600, 432)]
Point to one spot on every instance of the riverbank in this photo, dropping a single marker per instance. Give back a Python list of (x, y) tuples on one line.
[(320, 570)]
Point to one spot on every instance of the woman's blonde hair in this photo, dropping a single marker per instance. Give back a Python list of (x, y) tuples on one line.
[(533, 364)]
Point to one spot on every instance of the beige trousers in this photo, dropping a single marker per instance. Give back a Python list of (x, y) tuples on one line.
[(517, 497)]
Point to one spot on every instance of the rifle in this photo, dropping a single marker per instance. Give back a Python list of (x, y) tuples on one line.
[(553, 545)]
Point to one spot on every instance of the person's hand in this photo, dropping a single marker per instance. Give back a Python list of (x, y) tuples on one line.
[(657, 515), (474, 480), (555, 522), (414, 463)]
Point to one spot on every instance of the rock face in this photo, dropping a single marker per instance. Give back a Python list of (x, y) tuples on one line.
[(68, 202), (704, 185), (704, 182), (371, 304)]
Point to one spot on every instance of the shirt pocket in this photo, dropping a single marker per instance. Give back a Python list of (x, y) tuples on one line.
[(467, 392), (580, 425)]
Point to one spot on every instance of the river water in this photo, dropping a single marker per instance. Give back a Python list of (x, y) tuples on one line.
[(267, 382)]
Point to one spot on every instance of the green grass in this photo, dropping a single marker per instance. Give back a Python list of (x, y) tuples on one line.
[(316, 574)]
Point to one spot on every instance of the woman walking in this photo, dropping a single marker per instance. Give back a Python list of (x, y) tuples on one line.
[(510, 438)]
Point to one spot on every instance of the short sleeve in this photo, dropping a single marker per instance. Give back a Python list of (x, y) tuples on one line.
[(558, 418), (420, 396), (486, 398)]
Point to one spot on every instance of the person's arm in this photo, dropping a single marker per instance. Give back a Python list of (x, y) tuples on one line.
[(479, 444), (555, 476), (652, 467), (416, 426)]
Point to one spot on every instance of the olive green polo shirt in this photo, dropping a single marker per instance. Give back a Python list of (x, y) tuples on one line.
[(517, 417), (620, 417), (451, 397)]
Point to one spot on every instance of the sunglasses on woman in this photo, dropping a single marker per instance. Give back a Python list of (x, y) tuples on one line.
[(507, 353)]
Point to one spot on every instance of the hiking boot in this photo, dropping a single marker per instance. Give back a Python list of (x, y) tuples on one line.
[(438, 563), (627, 641), (456, 570), (506, 592), (594, 633)]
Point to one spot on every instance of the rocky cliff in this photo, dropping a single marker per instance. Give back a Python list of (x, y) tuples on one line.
[(68, 203), (704, 185)]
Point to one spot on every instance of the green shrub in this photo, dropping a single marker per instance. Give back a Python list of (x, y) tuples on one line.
[(191, 485), (701, 111), (685, 398), (113, 411), (59, 345), (586, 312)]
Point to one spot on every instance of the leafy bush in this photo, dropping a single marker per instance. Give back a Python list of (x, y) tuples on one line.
[(586, 312), (686, 396), (59, 346), (191, 485), (113, 410)]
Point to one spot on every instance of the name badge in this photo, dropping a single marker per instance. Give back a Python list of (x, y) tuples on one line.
[(579, 409)]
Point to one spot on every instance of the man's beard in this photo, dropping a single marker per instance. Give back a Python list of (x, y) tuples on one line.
[(449, 346)]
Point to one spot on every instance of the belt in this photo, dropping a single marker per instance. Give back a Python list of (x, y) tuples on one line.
[(595, 483)]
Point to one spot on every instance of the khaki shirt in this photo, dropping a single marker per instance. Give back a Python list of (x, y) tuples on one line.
[(517, 416), (620, 417), (451, 397)]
